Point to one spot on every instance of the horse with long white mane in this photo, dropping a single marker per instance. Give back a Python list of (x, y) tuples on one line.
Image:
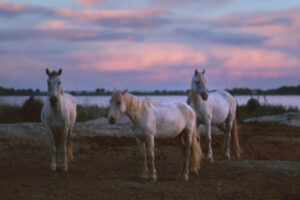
[(216, 108), (59, 116), (151, 119)]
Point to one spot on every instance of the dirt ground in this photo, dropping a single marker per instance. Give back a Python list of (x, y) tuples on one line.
[(108, 168)]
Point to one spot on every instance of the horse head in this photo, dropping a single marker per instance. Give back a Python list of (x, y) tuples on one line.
[(54, 86), (199, 84), (117, 106)]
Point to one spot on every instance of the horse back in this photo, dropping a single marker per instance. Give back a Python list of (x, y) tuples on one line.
[(171, 118)]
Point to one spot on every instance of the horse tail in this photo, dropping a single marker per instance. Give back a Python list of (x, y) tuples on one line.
[(196, 153), (69, 147), (238, 150)]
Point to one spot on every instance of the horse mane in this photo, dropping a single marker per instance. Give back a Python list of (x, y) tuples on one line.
[(193, 98), (134, 106)]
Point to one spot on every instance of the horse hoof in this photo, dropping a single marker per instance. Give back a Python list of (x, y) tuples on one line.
[(152, 180), (227, 157), (143, 179), (65, 174), (184, 178), (53, 174), (210, 159)]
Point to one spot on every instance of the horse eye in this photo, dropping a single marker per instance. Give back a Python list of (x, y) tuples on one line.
[(118, 103)]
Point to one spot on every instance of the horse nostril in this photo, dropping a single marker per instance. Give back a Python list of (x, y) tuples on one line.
[(53, 101), (205, 96)]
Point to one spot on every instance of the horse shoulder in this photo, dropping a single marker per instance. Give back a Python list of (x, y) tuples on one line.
[(146, 119), (70, 99), (45, 112), (70, 113)]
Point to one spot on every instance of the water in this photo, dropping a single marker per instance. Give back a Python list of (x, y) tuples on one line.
[(104, 100)]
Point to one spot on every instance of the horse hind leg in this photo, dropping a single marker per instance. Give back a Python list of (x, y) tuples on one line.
[(227, 137), (185, 140), (70, 155)]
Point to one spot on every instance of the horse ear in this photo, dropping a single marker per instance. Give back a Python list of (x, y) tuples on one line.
[(59, 71), (196, 72), (47, 72), (203, 72)]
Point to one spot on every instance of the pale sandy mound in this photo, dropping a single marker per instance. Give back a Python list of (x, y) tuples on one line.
[(291, 119)]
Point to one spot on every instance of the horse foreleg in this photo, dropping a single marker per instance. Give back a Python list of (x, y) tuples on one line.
[(63, 148), (208, 140), (151, 157), (144, 174), (186, 150), (53, 151)]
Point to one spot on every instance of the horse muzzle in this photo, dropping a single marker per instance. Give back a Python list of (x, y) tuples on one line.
[(112, 120), (204, 96), (53, 101)]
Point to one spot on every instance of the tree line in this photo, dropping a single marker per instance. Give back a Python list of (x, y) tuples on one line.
[(284, 90)]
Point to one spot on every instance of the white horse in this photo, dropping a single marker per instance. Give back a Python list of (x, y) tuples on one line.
[(59, 116), (162, 120), (215, 108)]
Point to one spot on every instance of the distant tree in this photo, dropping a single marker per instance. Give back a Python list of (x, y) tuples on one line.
[(100, 91), (37, 92)]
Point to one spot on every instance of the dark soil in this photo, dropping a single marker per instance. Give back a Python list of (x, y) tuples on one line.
[(109, 168)]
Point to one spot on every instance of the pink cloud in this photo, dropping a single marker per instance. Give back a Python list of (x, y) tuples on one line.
[(126, 56), (143, 17), (56, 25), (252, 62), (280, 27), (12, 7), (89, 2), (132, 18)]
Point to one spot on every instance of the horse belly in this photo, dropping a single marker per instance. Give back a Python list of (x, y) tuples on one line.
[(170, 125), (220, 111)]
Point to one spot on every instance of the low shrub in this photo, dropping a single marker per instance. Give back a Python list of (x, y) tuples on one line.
[(85, 113), (252, 105), (10, 113), (31, 110)]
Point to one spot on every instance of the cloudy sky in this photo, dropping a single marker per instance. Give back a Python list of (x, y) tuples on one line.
[(147, 44)]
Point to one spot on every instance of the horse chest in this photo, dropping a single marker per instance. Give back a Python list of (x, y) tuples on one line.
[(56, 120), (56, 124)]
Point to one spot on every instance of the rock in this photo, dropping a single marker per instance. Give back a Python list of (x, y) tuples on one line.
[(98, 127), (291, 119)]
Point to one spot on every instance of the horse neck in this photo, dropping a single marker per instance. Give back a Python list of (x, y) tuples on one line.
[(195, 98), (133, 107), (60, 104)]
